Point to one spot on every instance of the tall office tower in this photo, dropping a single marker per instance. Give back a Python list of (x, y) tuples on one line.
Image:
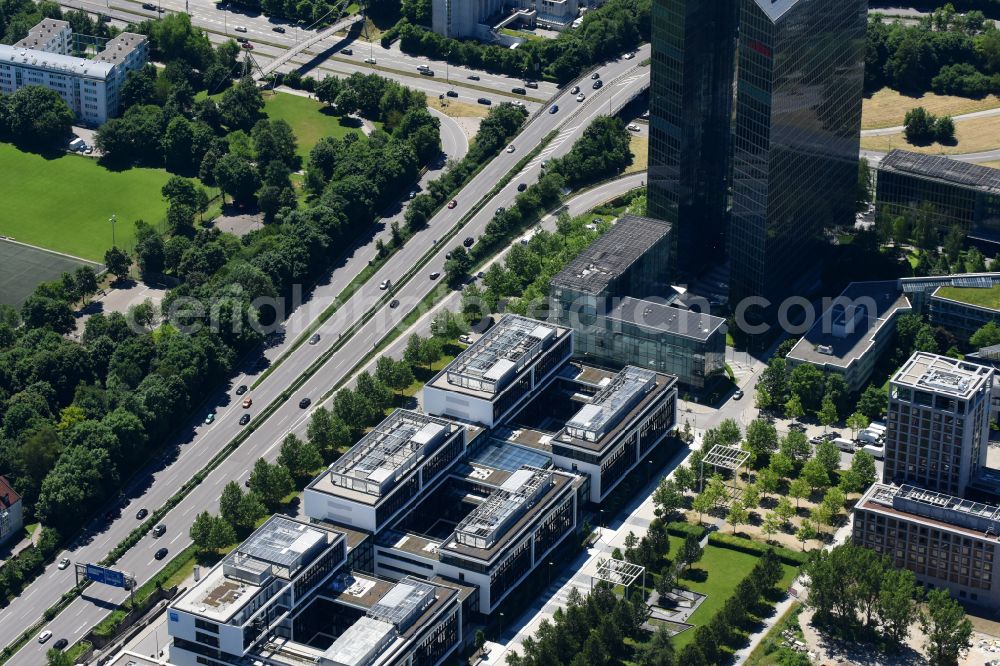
[(938, 423), (691, 92), (800, 71)]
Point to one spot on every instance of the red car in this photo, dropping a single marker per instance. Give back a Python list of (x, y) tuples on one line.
[(248, 46), (452, 203)]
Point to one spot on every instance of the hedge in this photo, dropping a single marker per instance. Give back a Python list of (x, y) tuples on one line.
[(786, 555), (684, 529)]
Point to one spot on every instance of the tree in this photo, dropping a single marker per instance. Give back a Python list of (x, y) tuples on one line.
[(659, 651), (270, 482), (827, 413), (861, 474), (798, 489), (793, 408), (784, 510), (919, 126), (857, 421), (866, 182), (815, 474), (738, 515), (895, 607), (211, 532), (873, 402), (987, 336), (301, 459), (751, 496), (56, 657), (236, 177), (805, 532), (685, 478), (457, 267), (821, 515), (767, 481), (44, 312), (118, 262), (948, 631), (691, 551), (229, 504), (781, 465), (761, 439), (85, 280), (703, 502), (771, 525), (834, 500), (807, 382), (828, 455), (241, 105), (38, 117), (667, 498), (794, 445)]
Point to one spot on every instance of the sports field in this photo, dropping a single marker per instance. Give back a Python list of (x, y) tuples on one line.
[(310, 120), (64, 203), (22, 268)]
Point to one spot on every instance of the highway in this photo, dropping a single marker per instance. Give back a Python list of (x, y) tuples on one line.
[(623, 79)]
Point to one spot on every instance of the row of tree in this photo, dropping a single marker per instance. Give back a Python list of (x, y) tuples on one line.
[(605, 33)]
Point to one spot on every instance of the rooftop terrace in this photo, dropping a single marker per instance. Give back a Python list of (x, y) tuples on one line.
[(941, 374), (611, 404), (484, 526)]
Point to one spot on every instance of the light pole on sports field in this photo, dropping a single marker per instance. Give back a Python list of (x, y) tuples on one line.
[(112, 220)]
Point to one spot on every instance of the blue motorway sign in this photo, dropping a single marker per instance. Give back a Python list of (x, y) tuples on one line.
[(100, 574)]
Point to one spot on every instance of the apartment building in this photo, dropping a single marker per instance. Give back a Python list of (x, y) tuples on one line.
[(11, 512), (91, 88), (937, 426)]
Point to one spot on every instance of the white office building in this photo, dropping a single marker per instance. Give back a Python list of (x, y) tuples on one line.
[(91, 88)]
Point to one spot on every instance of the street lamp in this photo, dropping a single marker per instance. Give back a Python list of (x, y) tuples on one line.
[(500, 629), (112, 220), (550, 573), (649, 471)]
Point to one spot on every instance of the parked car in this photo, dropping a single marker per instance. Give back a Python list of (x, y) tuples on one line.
[(63, 563), (245, 419), (60, 644), (521, 187), (544, 164), (141, 513), (242, 389), (347, 51), (159, 530), (210, 418), (469, 240), (738, 394), (633, 128), (44, 636), (240, 28), (554, 108), (452, 203), (484, 100), (816, 440), (499, 211), (314, 338), (465, 339), (413, 194), (451, 93), (629, 55), (597, 84), (394, 303), (473, 77), (447, 256), (160, 554), (278, 28), (304, 402), (435, 275)]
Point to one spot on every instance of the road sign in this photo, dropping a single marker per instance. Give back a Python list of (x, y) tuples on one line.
[(106, 576)]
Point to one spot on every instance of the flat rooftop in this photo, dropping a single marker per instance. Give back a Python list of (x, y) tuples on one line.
[(55, 62), (611, 254), (830, 343), (41, 32), (119, 47), (385, 455), (987, 297), (942, 375), (279, 548), (492, 362), (935, 509), (942, 169), (663, 318)]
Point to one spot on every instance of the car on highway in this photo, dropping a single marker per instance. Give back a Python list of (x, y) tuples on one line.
[(247, 402), (240, 28), (469, 240), (597, 84), (63, 563), (369, 61), (241, 390), (384, 284), (574, 90), (160, 554), (413, 194), (581, 97), (210, 418), (554, 108), (629, 55), (452, 203), (278, 28), (394, 303), (451, 93), (245, 419), (595, 75), (531, 84), (633, 127), (738, 395), (435, 275), (518, 90), (347, 51), (484, 100), (159, 531), (521, 187), (447, 256), (473, 77), (427, 72), (499, 211), (511, 148), (149, 5), (304, 402), (141, 513), (44, 636), (60, 644), (314, 338), (544, 163), (248, 46)]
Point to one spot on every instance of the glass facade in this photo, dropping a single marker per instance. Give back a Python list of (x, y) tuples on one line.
[(902, 194), (800, 70), (690, 104)]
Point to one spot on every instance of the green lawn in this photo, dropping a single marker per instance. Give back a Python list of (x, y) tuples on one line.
[(308, 119), (64, 203), (724, 569), (987, 298)]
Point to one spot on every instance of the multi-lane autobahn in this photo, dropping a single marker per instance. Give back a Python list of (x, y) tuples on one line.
[(623, 80)]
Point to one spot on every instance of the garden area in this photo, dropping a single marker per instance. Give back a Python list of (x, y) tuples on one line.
[(309, 119)]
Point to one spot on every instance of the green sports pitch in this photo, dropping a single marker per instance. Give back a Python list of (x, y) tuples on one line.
[(23, 267)]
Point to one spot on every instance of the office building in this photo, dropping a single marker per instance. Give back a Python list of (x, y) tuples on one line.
[(946, 541), (852, 334), (91, 88), (485, 19), (690, 104), (288, 596), (616, 298), (11, 516), (496, 376), (937, 425), (950, 192), (796, 138)]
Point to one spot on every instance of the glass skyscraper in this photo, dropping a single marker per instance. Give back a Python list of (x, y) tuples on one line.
[(691, 93), (800, 70)]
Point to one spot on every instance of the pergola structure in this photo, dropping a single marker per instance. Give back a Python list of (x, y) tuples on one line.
[(618, 572), (730, 458)]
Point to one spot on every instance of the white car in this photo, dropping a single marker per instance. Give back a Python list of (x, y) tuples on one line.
[(633, 128), (511, 148), (369, 61), (629, 56), (44, 636), (63, 563), (581, 97), (240, 28), (517, 102)]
